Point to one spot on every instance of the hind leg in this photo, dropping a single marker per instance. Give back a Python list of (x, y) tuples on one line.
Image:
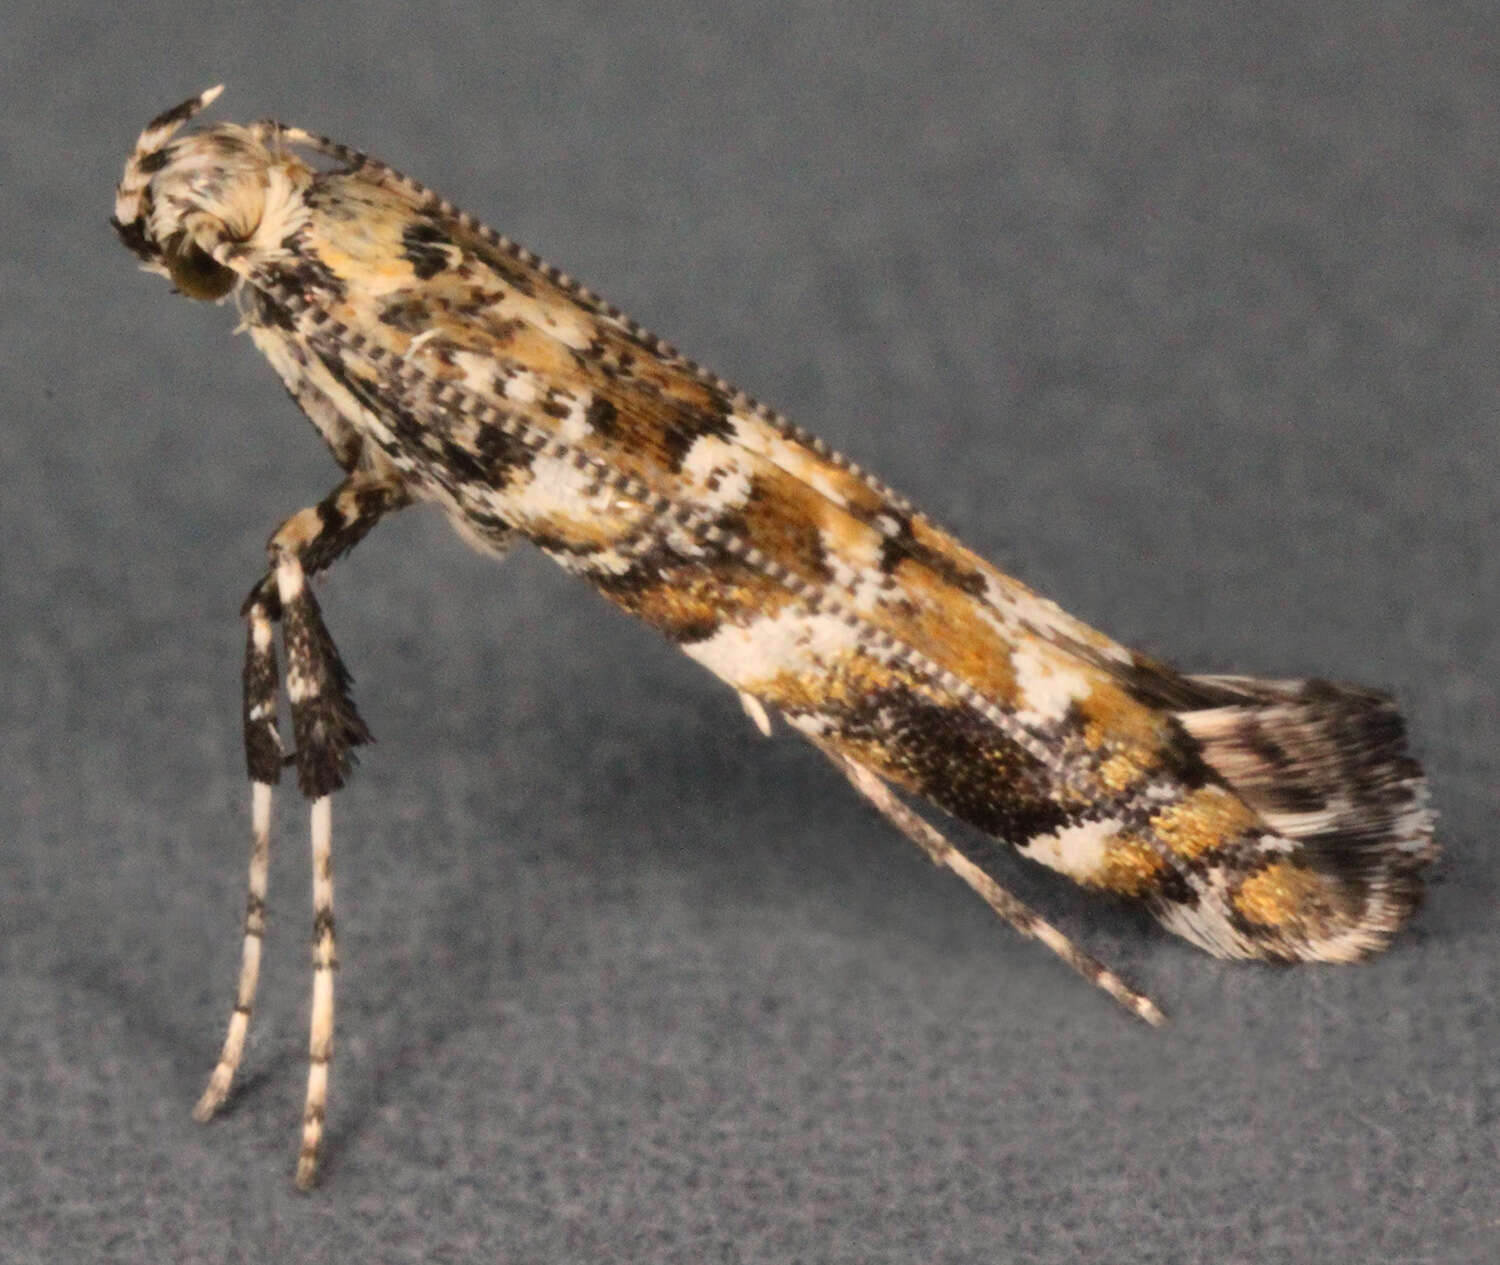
[(1015, 911)]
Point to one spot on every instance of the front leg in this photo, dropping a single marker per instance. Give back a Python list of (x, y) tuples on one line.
[(326, 727)]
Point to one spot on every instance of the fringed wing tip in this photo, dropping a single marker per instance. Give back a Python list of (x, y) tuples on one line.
[(1350, 839)]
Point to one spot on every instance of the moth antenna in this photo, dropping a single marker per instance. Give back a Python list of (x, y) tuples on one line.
[(139, 167)]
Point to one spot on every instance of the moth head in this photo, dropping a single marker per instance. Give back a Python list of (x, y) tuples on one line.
[(199, 208)]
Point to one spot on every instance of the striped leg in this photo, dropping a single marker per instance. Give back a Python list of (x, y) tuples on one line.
[(263, 756), (1015, 911), (327, 729), (320, 1028)]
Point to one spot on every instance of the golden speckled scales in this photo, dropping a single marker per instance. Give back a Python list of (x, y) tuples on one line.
[(441, 362)]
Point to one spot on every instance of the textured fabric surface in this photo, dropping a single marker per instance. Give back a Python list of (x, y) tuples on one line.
[(1186, 314)]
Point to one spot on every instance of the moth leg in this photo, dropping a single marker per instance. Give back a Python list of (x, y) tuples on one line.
[(1015, 911), (320, 1027), (263, 756), (327, 727)]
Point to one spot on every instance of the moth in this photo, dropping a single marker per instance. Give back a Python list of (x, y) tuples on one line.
[(1271, 819)]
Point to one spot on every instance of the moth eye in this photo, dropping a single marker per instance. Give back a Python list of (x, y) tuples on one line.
[(194, 271)]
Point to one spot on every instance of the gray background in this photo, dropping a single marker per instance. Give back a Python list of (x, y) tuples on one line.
[(1184, 312)]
